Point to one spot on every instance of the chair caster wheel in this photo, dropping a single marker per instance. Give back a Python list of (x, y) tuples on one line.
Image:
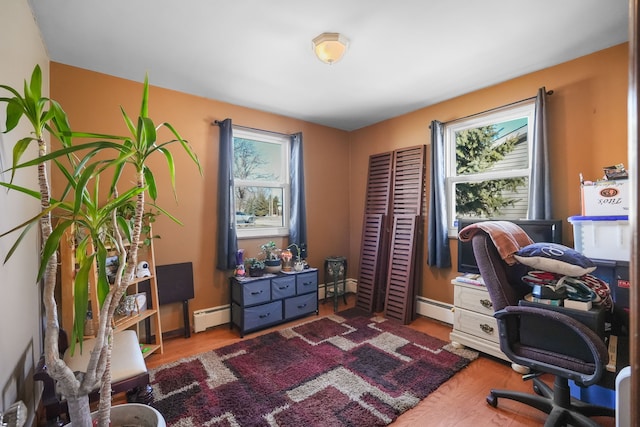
[(492, 400), (537, 390)]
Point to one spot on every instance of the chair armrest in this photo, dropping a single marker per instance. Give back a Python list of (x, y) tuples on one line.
[(561, 330)]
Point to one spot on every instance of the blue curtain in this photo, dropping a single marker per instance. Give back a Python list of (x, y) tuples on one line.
[(438, 238), (298, 212), (227, 239), (539, 180)]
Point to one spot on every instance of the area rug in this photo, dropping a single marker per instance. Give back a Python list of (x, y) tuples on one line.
[(347, 369)]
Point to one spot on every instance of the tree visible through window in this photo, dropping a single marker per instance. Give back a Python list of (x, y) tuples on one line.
[(488, 165), (261, 183)]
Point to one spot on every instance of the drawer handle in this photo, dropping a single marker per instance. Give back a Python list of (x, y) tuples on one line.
[(262, 316), (486, 303), (307, 283), (486, 328), (283, 287), (302, 306), (256, 292)]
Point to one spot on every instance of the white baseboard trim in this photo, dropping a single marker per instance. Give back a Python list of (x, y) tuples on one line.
[(215, 316), (434, 309), (352, 287), (210, 317)]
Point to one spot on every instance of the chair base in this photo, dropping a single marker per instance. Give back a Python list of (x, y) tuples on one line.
[(556, 402)]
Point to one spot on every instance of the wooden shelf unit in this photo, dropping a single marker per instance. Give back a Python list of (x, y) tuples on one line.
[(149, 317)]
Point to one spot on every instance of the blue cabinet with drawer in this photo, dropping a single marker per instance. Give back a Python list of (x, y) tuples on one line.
[(260, 302)]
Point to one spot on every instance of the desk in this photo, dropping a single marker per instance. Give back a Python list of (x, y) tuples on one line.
[(335, 271)]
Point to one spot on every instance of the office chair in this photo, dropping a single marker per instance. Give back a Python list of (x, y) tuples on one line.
[(548, 351)]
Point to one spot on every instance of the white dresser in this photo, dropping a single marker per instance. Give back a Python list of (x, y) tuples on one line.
[(473, 322)]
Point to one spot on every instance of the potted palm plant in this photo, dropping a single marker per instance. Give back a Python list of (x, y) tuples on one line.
[(80, 205)]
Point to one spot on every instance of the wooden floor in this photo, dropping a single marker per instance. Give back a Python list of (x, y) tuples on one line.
[(458, 402)]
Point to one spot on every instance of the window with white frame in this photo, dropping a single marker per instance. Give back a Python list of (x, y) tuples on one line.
[(260, 183), (488, 160)]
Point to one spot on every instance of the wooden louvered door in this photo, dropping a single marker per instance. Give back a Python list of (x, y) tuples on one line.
[(408, 181), (401, 269), (370, 261), (375, 234), (407, 201)]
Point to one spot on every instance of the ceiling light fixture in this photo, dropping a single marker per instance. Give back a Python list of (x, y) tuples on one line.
[(330, 47)]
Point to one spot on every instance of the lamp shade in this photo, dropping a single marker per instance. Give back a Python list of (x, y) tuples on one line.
[(330, 47)]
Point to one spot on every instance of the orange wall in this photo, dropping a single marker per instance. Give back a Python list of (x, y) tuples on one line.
[(587, 130), (93, 101)]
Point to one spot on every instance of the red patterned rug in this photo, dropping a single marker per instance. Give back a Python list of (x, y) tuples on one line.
[(348, 369)]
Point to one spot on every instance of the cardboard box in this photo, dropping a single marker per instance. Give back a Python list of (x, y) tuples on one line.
[(602, 237), (605, 198)]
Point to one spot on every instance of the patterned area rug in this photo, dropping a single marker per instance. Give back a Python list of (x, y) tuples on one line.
[(348, 369)]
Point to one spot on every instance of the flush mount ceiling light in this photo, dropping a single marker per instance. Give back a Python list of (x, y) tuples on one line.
[(330, 47)]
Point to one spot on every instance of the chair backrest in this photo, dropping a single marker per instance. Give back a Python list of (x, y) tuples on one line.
[(574, 351), (501, 280)]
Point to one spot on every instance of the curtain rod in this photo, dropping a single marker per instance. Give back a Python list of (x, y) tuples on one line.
[(217, 123), (549, 92)]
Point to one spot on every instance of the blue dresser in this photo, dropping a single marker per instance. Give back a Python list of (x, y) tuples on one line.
[(260, 302)]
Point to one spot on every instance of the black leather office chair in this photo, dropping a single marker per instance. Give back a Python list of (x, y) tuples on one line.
[(583, 361)]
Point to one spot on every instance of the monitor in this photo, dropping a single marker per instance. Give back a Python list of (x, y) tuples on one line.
[(540, 230)]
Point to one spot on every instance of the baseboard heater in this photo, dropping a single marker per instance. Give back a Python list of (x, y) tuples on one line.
[(210, 317), (434, 309), (215, 316)]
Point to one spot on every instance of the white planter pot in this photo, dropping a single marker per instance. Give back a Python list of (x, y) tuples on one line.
[(134, 414)]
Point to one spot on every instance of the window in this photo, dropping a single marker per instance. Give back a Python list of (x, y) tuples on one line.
[(488, 160), (261, 183)]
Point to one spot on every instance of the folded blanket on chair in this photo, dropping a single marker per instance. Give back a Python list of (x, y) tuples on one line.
[(507, 236)]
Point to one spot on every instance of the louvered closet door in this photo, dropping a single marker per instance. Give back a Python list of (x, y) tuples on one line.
[(372, 231), (375, 234), (407, 201), (408, 181), (399, 300)]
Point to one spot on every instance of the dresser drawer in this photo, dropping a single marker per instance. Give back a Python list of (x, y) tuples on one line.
[(474, 299), (300, 305), (479, 325), (253, 292), (258, 316), (307, 282), (283, 287)]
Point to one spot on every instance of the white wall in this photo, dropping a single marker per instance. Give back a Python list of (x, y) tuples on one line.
[(21, 48)]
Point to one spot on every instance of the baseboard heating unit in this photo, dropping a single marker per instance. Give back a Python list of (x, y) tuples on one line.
[(210, 317), (434, 309)]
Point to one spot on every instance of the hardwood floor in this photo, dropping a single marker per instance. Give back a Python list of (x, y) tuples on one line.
[(458, 402)]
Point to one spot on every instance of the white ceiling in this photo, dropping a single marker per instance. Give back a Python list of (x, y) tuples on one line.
[(403, 54)]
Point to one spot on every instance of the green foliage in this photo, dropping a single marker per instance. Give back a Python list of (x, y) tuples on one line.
[(485, 199), (258, 204), (271, 251), (476, 153), (80, 204), (255, 263)]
